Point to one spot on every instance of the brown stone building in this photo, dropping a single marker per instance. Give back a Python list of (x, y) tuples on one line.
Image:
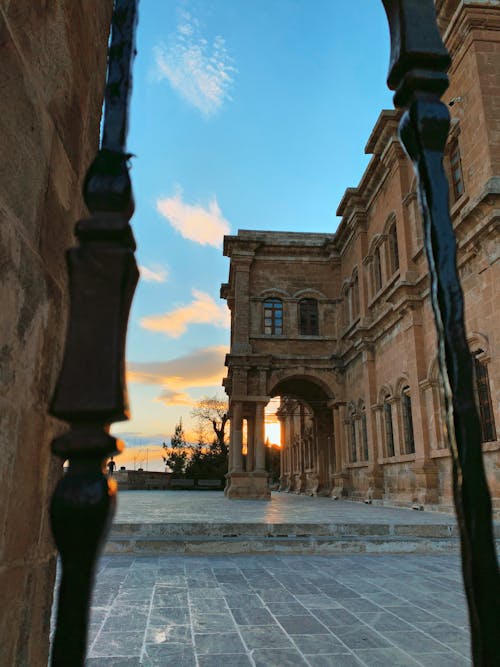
[(51, 88), (340, 325)]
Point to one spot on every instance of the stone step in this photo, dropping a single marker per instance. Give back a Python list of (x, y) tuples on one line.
[(254, 538), (203, 546)]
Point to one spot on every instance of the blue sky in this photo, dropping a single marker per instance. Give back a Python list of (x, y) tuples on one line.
[(245, 115)]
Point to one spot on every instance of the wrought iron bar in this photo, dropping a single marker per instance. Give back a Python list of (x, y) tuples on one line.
[(91, 389), (419, 62)]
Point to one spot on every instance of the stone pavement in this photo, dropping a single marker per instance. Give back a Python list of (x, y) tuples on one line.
[(213, 507), (270, 611)]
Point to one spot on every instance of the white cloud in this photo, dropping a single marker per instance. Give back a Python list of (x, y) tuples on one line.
[(153, 274), (203, 367), (202, 310), (206, 226), (200, 72)]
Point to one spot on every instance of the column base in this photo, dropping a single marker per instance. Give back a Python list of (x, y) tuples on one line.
[(426, 475), (248, 486), (340, 485), (311, 484), (375, 477)]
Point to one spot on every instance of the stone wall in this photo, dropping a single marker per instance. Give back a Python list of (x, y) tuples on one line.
[(51, 84)]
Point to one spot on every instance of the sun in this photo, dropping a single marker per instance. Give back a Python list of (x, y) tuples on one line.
[(273, 433)]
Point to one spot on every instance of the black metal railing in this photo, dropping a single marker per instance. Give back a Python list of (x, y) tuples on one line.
[(419, 62), (91, 392)]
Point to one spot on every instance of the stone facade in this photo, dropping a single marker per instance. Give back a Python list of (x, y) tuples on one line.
[(341, 327), (51, 86)]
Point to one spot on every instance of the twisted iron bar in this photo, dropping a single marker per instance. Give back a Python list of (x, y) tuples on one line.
[(91, 389), (419, 62)]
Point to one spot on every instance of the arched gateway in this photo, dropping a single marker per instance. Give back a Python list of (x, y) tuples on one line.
[(278, 335)]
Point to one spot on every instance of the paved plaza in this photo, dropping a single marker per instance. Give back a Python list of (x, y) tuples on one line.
[(269, 611), (213, 507)]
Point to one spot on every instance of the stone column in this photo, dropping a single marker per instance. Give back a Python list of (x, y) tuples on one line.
[(260, 438), (236, 435), (241, 319), (374, 473), (340, 475), (250, 444)]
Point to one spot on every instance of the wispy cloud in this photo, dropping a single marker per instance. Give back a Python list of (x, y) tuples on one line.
[(153, 274), (202, 310), (203, 367), (206, 226), (172, 397), (200, 72)]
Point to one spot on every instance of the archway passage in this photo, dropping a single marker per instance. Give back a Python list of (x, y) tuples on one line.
[(307, 452)]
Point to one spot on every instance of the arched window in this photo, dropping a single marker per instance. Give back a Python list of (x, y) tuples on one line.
[(353, 444), (393, 248), (308, 317), (389, 434), (273, 317), (377, 271), (355, 297), (483, 398), (457, 179), (364, 434), (409, 438), (346, 308)]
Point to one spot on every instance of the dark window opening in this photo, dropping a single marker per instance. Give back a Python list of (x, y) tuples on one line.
[(393, 248), (273, 317), (457, 180), (389, 435), (377, 270), (409, 438), (308, 317), (483, 399), (354, 453), (355, 298), (364, 435)]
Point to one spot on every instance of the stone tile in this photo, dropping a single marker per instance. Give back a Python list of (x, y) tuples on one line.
[(415, 642), (336, 618), (204, 593), (215, 605), (117, 644), (265, 636), (360, 636), (169, 616), (239, 601), (224, 660), (128, 596), (168, 634), (335, 660), (277, 658), (338, 592), (301, 625), (383, 598), (276, 595), (253, 616), (179, 655), (359, 604), (413, 614), (286, 608), (448, 659), (170, 599), (385, 657), (383, 620), (208, 622), (318, 601), (222, 642), (113, 662), (444, 632), (318, 644)]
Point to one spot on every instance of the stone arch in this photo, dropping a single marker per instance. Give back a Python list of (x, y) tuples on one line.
[(293, 379), (274, 291), (401, 382), (385, 390), (309, 291), (389, 221)]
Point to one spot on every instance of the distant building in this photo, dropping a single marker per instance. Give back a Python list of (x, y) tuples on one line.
[(341, 326)]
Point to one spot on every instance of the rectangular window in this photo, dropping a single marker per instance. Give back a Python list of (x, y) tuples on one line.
[(308, 317), (457, 181), (389, 435), (483, 397), (364, 433)]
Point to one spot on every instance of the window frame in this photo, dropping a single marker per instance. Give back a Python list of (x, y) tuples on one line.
[(482, 394), (311, 319), (407, 419), (388, 427), (456, 171), (393, 248), (273, 305)]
